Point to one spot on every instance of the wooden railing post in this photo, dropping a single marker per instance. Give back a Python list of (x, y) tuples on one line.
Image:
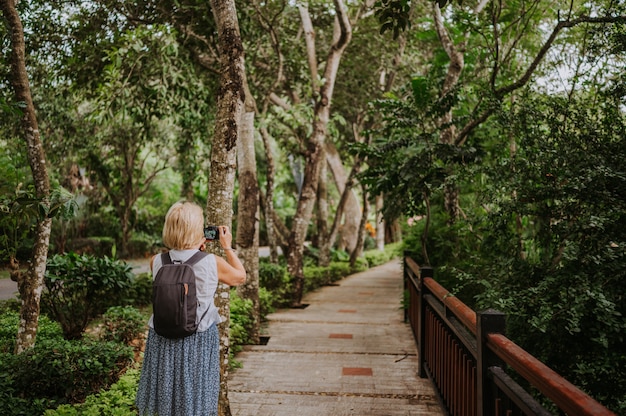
[(489, 321), (407, 291), (425, 271)]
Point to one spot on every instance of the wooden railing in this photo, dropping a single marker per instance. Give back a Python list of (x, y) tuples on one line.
[(469, 359)]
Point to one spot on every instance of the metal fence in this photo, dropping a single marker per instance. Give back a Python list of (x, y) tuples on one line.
[(470, 360)]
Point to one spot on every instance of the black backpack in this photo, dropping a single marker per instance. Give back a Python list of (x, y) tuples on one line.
[(174, 300)]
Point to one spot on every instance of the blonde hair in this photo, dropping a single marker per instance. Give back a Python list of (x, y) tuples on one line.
[(184, 226)]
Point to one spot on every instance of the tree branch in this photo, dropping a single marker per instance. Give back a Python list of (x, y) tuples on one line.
[(309, 37), (501, 92)]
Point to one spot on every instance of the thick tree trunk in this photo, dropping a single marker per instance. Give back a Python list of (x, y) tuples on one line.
[(30, 284), (351, 209), (305, 207), (314, 151), (358, 249), (248, 215), (231, 97)]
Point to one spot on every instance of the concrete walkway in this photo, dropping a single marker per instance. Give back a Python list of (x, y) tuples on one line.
[(348, 353)]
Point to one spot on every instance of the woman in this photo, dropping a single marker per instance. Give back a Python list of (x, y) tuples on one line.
[(182, 376)]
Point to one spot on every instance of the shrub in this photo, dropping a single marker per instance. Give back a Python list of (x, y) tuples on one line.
[(119, 400), (378, 257), (240, 321), (12, 401), (140, 293), (58, 371), (95, 246), (10, 305), (140, 245), (267, 300), (81, 287), (9, 321), (315, 276), (122, 324), (275, 279)]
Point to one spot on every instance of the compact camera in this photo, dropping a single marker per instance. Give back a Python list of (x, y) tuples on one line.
[(211, 232)]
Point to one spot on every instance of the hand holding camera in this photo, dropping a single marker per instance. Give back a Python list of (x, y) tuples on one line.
[(211, 232), (222, 232)]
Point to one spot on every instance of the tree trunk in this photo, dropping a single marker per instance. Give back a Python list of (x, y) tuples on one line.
[(314, 151), (186, 165), (351, 209), (448, 132), (380, 224), (358, 249), (269, 197), (231, 97), (248, 216), (324, 243), (30, 284)]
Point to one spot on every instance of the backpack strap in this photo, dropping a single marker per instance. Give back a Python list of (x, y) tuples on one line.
[(165, 258), (193, 260), (196, 258)]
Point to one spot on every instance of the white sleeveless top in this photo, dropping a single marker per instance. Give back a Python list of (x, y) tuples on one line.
[(206, 285)]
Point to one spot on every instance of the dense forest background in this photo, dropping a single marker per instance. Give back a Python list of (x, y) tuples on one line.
[(489, 136)]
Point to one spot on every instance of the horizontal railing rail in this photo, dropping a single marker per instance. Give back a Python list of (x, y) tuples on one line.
[(467, 356)]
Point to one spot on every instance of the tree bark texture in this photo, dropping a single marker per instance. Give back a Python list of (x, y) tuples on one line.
[(324, 243), (230, 102), (380, 223), (30, 284), (314, 151), (248, 215), (269, 197), (448, 129), (358, 249), (351, 209)]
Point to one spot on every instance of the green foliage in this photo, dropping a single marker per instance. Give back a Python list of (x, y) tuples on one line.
[(123, 324), (267, 302), (240, 321), (9, 322), (562, 278), (140, 293), (10, 305), (20, 210), (81, 287), (317, 276), (544, 239), (377, 257), (141, 245), (276, 280), (119, 400), (55, 371), (95, 246), (407, 163)]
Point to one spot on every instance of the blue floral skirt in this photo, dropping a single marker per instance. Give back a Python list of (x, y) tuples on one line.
[(180, 377)]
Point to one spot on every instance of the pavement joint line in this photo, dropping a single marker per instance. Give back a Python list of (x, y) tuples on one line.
[(402, 354), (301, 321), (414, 397)]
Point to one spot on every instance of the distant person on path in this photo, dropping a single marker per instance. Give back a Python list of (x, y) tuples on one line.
[(181, 376)]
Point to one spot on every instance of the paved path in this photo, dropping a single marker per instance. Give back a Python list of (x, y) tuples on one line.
[(8, 289), (348, 353)]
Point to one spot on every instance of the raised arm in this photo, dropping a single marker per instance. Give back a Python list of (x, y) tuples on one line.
[(229, 271)]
